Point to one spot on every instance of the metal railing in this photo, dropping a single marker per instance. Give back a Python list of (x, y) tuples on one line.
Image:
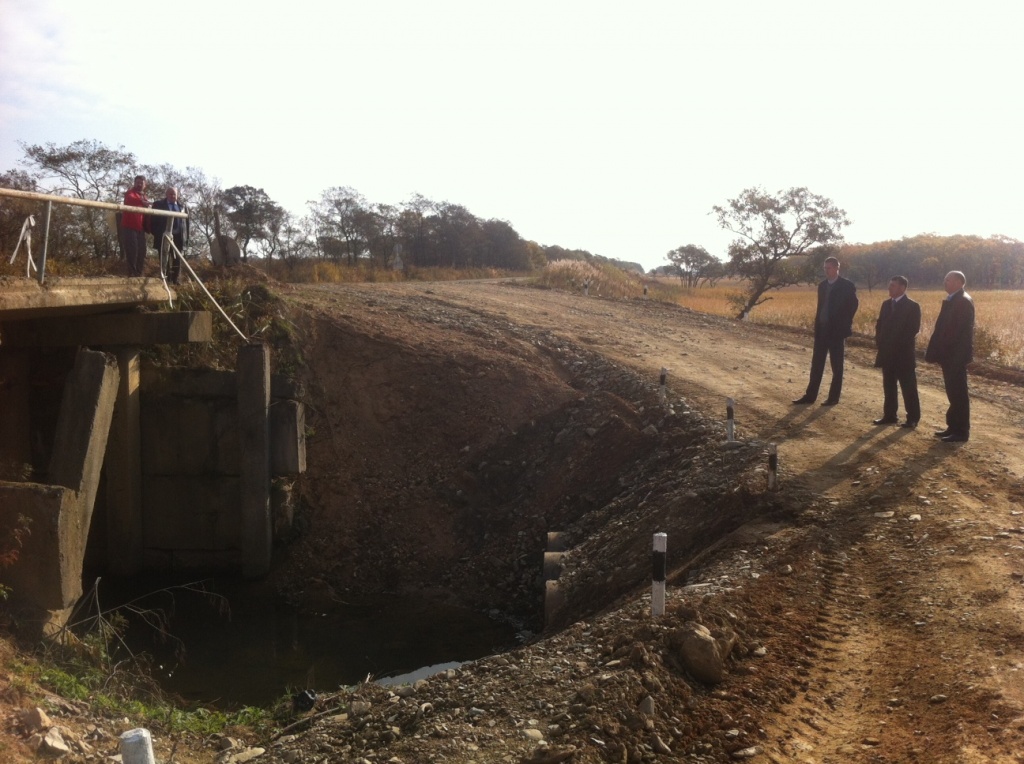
[(163, 248), (26, 228)]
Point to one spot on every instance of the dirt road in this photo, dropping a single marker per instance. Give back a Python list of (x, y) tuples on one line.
[(914, 584)]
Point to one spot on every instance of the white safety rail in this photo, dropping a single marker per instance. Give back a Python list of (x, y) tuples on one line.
[(181, 258), (51, 199)]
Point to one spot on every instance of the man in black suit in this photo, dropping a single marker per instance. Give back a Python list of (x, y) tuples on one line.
[(179, 231), (833, 323), (952, 347), (896, 330)]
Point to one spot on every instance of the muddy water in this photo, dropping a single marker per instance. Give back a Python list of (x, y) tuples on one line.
[(262, 650)]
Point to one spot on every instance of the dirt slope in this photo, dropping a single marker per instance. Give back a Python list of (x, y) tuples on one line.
[(891, 605)]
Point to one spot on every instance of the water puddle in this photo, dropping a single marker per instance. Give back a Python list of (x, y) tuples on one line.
[(263, 650)]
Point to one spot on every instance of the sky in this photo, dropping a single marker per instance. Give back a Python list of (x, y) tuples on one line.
[(607, 126)]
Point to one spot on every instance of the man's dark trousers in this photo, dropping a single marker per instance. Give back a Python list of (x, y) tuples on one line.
[(907, 381), (835, 349), (958, 415)]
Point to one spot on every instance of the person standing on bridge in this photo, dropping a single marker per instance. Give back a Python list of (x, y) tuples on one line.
[(952, 347), (896, 330), (178, 229), (133, 227), (833, 323)]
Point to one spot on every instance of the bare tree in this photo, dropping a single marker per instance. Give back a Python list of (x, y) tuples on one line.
[(776, 234)]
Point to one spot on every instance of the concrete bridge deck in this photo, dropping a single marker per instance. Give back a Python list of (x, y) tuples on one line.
[(27, 298)]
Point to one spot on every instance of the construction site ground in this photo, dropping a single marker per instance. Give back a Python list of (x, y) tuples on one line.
[(870, 606)]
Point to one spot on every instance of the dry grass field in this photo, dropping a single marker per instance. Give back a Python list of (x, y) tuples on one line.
[(1000, 314)]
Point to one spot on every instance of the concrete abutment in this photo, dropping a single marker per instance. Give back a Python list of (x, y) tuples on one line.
[(171, 469)]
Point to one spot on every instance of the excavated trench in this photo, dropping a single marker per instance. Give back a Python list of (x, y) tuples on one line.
[(437, 465)]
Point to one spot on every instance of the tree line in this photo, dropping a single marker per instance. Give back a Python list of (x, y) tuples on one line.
[(996, 262), (341, 226), (781, 238)]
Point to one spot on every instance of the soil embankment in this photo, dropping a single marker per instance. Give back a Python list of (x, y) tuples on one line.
[(875, 600)]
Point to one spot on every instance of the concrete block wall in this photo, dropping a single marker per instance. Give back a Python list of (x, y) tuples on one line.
[(192, 467)]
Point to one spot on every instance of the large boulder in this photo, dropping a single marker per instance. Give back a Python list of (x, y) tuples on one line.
[(699, 652)]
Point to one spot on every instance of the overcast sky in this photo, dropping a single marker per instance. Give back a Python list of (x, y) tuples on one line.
[(607, 126)]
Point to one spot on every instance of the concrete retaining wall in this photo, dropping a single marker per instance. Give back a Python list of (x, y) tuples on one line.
[(193, 480)]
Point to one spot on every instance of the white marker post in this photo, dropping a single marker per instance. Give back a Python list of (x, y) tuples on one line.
[(586, 288), (730, 419), (658, 574), (137, 747), (773, 466), (662, 392)]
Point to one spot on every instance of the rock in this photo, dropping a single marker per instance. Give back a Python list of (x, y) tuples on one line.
[(938, 699), (243, 756), (699, 653), (651, 683), (727, 639), (52, 745), (650, 430), (359, 707), (533, 734), (34, 720), (646, 707), (746, 753), (659, 745)]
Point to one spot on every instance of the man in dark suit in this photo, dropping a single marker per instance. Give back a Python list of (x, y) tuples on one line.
[(896, 330), (833, 323), (952, 347), (178, 228)]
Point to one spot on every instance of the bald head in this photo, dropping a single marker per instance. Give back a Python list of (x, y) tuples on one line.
[(954, 281)]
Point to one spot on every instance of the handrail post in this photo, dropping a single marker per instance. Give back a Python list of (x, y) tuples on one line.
[(46, 242)]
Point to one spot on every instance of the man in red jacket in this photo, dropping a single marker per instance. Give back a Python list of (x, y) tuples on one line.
[(133, 227)]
